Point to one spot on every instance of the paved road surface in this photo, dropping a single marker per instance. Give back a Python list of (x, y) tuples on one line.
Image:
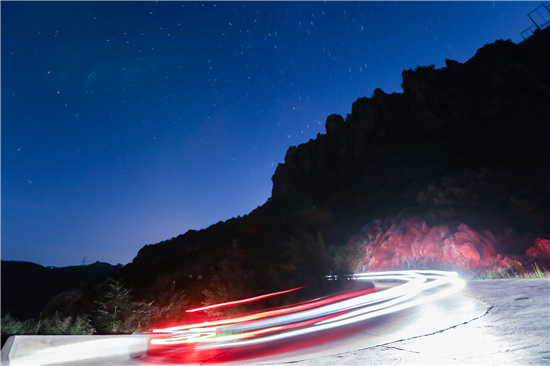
[(514, 331)]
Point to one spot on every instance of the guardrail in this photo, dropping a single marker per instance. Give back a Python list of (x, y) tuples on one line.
[(44, 350)]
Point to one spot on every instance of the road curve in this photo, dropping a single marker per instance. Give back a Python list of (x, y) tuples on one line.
[(418, 302)]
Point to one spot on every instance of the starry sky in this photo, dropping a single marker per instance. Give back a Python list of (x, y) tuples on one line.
[(128, 123)]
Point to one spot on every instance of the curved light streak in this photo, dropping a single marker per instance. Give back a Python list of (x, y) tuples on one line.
[(241, 301), (417, 287)]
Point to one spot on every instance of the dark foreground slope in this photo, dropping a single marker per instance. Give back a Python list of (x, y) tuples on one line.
[(464, 148)]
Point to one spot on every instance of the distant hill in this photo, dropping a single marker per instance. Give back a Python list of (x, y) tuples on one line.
[(27, 287)]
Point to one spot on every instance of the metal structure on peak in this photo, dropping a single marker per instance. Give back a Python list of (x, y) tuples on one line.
[(540, 18)]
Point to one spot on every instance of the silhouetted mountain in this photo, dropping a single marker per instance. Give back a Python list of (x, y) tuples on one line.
[(463, 151), (27, 288), (451, 173), (487, 111)]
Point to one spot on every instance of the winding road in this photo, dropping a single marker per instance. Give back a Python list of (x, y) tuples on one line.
[(415, 322)]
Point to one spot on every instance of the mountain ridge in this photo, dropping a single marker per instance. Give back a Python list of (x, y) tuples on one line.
[(458, 161), (432, 99), (462, 145)]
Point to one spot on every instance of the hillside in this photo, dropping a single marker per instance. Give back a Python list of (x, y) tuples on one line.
[(452, 173), (461, 152)]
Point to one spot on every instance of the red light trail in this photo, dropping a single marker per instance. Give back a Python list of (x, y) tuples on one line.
[(241, 301), (413, 288)]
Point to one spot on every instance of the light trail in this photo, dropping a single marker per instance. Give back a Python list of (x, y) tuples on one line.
[(241, 301), (414, 288)]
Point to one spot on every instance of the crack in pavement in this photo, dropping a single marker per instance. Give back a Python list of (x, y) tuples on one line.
[(218, 355), (397, 348), (490, 307), (499, 352), (457, 359), (387, 345), (418, 353)]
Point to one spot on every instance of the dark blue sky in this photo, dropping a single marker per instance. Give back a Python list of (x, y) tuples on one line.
[(128, 123)]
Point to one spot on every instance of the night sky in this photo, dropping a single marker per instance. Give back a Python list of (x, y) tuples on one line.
[(128, 123)]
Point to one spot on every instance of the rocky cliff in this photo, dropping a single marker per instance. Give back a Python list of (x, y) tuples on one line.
[(464, 149), (452, 173), (409, 243), (502, 77)]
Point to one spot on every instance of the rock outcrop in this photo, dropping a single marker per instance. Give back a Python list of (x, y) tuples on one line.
[(444, 100), (484, 121), (460, 158), (409, 243), (541, 250)]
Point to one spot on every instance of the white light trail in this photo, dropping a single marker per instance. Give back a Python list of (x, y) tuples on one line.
[(418, 287)]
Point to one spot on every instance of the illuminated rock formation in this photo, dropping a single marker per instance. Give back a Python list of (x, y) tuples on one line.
[(410, 244), (541, 250)]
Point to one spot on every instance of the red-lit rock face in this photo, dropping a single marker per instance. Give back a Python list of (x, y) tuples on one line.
[(540, 250), (410, 243)]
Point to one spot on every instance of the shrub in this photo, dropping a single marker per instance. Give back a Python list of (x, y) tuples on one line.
[(230, 281), (116, 311), (54, 325)]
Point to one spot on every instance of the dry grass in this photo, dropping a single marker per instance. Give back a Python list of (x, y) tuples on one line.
[(489, 275)]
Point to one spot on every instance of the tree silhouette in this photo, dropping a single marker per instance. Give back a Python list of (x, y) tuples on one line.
[(116, 312)]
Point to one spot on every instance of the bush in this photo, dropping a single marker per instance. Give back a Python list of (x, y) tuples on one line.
[(116, 312), (170, 304), (47, 326), (232, 280), (309, 262)]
